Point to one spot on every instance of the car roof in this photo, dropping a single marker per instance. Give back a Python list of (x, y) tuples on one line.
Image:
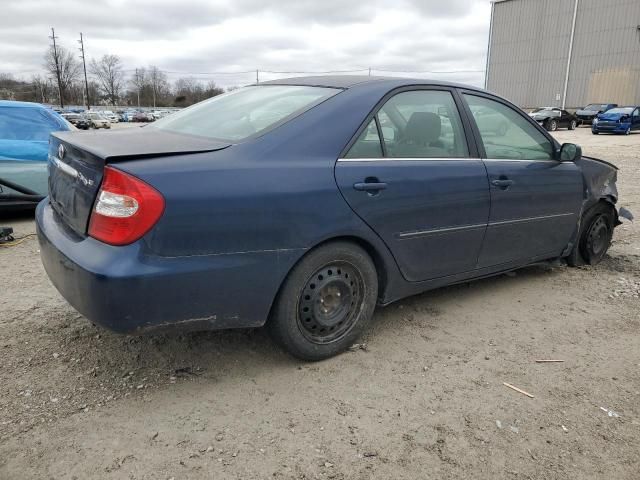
[(16, 104), (350, 81)]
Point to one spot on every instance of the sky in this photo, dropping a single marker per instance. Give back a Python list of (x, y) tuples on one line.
[(213, 39)]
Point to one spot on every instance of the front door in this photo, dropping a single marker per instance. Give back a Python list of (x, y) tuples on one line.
[(635, 119), (535, 199), (412, 177)]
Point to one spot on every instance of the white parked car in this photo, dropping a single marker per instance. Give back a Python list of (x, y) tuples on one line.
[(113, 118), (97, 120)]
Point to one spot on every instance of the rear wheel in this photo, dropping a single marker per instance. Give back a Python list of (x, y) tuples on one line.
[(594, 239), (326, 301)]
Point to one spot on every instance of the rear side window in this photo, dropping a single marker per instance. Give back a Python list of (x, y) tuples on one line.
[(245, 112), (26, 124), (368, 144), (415, 124), (505, 133)]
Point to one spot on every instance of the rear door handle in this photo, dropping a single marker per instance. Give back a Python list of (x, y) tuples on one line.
[(502, 183), (369, 186)]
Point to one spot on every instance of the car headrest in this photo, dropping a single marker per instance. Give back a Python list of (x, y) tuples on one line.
[(423, 127)]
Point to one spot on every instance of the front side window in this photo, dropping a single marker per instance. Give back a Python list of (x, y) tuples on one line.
[(505, 133), (245, 112)]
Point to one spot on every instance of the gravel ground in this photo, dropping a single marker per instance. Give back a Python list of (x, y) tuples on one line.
[(421, 397)]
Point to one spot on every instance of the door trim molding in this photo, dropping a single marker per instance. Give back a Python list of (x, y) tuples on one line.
[(411, 159), (436, 231), (529, 219)]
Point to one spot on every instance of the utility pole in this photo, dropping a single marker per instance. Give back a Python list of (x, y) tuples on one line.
[(138, 85), (55, 57), (257, 77), (84, 66), (369, 71)]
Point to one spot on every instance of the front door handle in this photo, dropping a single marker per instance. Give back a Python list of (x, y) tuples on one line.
[(503, 183), (369, 186)]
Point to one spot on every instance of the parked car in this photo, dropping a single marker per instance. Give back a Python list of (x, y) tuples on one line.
[(109, 115), (227, 214), (97, 120), (24, 137), (142, 117), (621, 120), (78, 120), (553, 118), (588, 114)]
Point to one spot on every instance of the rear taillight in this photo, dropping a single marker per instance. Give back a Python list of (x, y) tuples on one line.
[(126, 208)]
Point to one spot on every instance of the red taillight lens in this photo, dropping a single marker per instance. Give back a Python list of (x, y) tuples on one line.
[(126, 208)]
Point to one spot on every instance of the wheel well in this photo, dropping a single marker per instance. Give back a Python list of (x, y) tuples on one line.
[(381, 269), (378, 262)]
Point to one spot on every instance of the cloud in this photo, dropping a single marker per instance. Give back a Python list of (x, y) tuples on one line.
[(190, 36)]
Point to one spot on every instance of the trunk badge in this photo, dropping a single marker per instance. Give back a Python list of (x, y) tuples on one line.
[(61, 151)]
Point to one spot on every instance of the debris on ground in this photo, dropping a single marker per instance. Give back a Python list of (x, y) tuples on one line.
[(517, 389)]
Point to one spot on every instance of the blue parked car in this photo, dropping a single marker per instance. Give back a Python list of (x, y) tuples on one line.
[(621, 120), (305, 202), (24, 144)]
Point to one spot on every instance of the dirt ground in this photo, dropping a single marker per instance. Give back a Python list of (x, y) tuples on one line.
[(422, 397)]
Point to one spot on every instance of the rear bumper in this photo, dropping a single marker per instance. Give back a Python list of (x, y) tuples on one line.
[(127, 289)]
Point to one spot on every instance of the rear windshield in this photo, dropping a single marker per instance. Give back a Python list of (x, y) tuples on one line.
[(244, 112)]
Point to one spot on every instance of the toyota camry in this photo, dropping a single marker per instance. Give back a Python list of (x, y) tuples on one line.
[(304, 203)]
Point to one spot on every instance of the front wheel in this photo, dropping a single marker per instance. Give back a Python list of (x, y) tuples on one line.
[(628, 131), (594, 132), (326, 301), (594, 238), (552, 126), (573, 125)]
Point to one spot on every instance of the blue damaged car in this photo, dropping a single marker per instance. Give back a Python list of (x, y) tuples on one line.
[(304, 203), (621, 120), (24, 144)]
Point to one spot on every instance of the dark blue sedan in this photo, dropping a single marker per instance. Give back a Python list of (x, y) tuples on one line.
[(303, 203), (621, 120)]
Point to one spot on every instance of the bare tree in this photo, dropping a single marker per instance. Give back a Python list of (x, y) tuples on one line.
[(158, 82), (138, 80), (108, 72), (68, 64), (42, 88), (211, 90)]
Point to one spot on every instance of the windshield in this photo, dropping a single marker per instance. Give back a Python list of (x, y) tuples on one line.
[(595, 107), (623, 110), (244, 112)]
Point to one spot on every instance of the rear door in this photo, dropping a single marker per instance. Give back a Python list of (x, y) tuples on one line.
[(413, 177), (535, 199)]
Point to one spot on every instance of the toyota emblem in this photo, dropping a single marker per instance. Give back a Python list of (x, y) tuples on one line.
[(61, 151)]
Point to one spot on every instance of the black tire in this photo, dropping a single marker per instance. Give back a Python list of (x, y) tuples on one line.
[(552, 125), (594, 132), (594, 238), (326, 301), (572, 125)]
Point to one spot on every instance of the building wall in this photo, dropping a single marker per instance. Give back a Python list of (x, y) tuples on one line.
[(530, 46)]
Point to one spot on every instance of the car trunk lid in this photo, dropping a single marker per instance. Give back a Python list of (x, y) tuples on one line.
[(77, 161)]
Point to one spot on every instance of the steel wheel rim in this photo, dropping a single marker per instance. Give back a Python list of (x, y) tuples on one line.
[(554, 126), (598, 237), (329, 302)]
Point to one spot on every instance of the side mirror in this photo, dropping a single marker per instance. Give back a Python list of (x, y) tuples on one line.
[(570, 152)]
